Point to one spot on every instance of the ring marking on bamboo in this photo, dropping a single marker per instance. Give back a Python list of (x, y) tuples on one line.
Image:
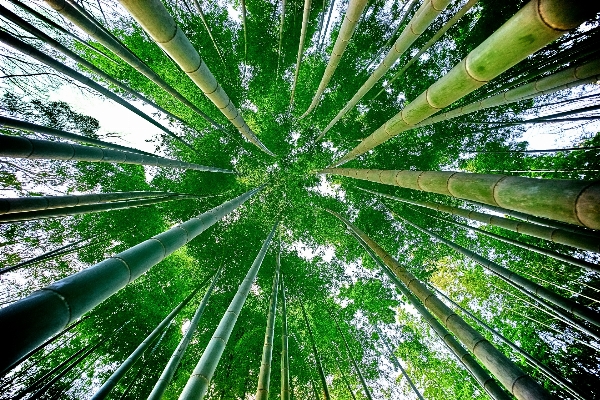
[(494, 190), (62, 299)]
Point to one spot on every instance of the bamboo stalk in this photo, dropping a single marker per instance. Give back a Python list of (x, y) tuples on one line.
[(160, 25), (326, 395), (214, 42), (305, 16), (197, 385), (285, 357), (537, 24), (49, 310), (565, 200)]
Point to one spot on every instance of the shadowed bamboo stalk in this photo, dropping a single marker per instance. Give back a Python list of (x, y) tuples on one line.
[(264, 375), (35, 203), (20, 147), (129, 362), (315, 353), (565, 200), (555, 235), (71, 73), (92, 28), (27, 126), (519, 282), (49, 310), (510, 375), (80, 60), (353, 13), (169, 371), (462, 355), (160, 25), (550, 373), (537, 24), (245, 29), (336, 357), (197, 385), (281, 21), (285, 357), (424, 16), (451, 22), (214, 42), (326, 27), (305, 16)]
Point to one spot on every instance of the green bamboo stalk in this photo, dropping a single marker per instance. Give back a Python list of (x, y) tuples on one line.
[(353, 13), (315, 353), (264, 375), (93, 29), (285, 357), (197, 385), (451, 22), (116, 376), (537, 24), (86, 209), (510, 375), (424, 17), (519, 282), (344, 378), (322, 37), (49, 310), (305, 16), (71, 73), (27, 126), (80, 60), (214, 42), (281, 20), (577, 240), (36, 203), (565, 200), (160, 25), (20, 147), (245, 29), (171, 367), (550, 373), (480, 375)]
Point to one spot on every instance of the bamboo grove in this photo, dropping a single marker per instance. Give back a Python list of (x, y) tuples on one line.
[(385, 199)]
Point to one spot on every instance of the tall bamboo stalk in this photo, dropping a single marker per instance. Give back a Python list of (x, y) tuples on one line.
[(281, 21), (565, 200), (326, 27), (537, 24), (20, 147), (305, 16), (285, 357), (171, 367), (353, 13), (197, 385), (71, 73), (510, 375), (93, 29), (480, 375), (214, 42), (27, 126), (49, 310), (160, 25), (555, 235), (424, 16), (519, 282), (315, 353), (264, 375), (116, 376), (336, 357)]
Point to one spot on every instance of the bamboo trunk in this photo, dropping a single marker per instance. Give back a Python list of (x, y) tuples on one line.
[(519, 282), (335, 359), (281, 20), (424, 16), (264, 375), (565, 200), (510, 375), (71, 73), (316, 354), (198, 383), (322, 39), (480, 375), (27, 126), (285, 357), (214, 42), (20, 147), (171, 367), (577, 240), (537, 24), (49, 310), (305, 15), (92, 28), (116, 376), (160, 25), (353, 13)]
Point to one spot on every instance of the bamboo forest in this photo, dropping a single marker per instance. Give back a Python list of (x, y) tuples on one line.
[(300, 199)]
